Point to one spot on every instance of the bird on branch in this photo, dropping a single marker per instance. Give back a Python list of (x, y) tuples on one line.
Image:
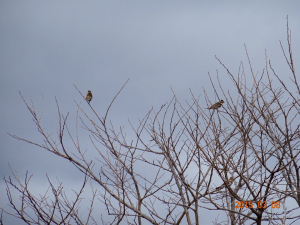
[(216, 105), (89, 96), (228, 183)]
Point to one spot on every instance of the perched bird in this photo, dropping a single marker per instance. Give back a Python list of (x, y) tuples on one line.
[(89, 96), (229, 182), (216, 105)]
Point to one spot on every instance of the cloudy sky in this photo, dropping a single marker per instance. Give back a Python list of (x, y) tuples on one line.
[(47, 46)]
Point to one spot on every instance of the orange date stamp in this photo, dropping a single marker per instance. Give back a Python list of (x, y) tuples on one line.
[(249, 204)]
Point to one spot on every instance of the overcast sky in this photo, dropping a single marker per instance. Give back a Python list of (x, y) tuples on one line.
[(47, 46)]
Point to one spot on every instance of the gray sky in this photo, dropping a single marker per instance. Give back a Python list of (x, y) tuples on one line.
[(47, 46)]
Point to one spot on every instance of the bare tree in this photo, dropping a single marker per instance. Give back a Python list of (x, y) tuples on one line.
[(166, 173)]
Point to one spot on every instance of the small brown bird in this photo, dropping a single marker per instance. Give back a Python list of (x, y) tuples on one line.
[(229, 182), (216, 105), (89, 96)]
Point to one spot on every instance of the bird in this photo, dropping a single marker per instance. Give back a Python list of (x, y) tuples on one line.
[(89, 96), (216, 105), (229, 182)]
